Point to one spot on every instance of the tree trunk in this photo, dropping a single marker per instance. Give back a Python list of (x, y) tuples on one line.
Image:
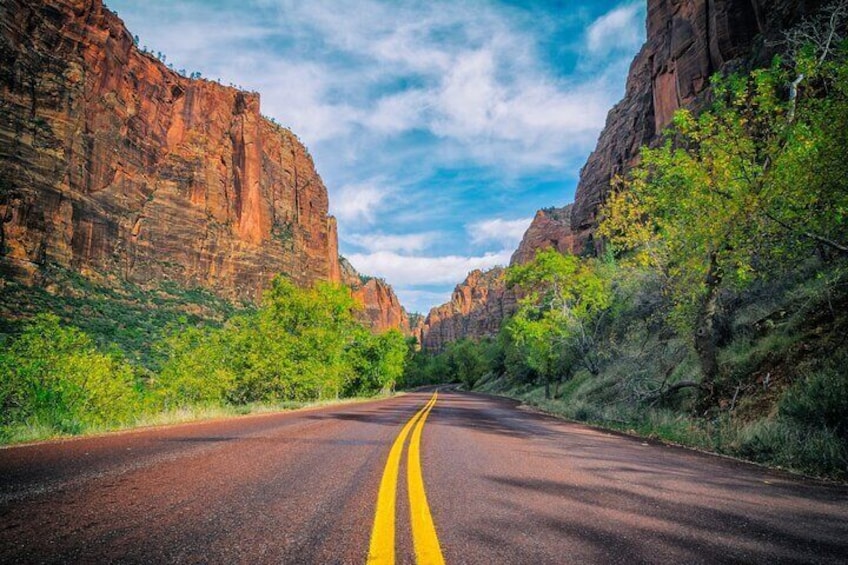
[(547, 388), (705, 340)]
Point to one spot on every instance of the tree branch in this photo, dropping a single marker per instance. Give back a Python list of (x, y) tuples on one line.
[(810, 235)]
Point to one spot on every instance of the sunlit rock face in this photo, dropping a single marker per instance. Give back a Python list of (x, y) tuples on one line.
[(116, 166), (379, 306), (550, 228), (476, 310)]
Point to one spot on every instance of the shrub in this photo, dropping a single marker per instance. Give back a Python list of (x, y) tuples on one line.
[(54, 377)]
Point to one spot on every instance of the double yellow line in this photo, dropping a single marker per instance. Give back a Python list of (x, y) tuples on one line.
[(425, 541)]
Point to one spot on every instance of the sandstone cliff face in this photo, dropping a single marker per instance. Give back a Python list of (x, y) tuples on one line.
[(687, 42), (381, 308), (115, 166), (550, 228), (476, 310)]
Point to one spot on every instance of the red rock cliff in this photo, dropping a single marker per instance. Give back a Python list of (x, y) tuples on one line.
[(476, 310), (550, 228), (381, 308), (687, 42), (114, 165)]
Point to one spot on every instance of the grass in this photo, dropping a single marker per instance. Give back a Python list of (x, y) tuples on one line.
[(30, 433), (114, 313)]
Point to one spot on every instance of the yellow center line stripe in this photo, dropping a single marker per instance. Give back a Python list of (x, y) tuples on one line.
[(382, 549), (425, 540)]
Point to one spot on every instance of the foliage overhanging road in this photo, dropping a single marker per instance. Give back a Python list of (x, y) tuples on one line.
[(504, 485)]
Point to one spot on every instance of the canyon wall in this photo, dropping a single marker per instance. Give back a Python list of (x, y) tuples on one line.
[(687, 42), (113, 165), (380, 307), (481, 302), (476, 309), (550, 227)]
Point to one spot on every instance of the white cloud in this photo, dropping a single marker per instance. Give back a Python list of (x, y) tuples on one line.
[(408, 243), (402, 103), (411, 270), (352, 75), (359, 202), (507, 233), (621, 28), (421, 300)]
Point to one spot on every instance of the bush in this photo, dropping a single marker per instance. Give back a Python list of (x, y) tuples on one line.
[(54, 377), (302, 344)]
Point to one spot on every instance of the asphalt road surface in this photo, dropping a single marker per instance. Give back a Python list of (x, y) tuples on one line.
[(477, 479)]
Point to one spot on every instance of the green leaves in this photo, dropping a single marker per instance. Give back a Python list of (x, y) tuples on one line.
[(303, 344), (564, 300), (54, 376), (742, 183)]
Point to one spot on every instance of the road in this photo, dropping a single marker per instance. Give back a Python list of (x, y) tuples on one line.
[(500, 484)]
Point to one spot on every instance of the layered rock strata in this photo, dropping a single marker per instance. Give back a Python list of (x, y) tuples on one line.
[(476, 309), (113, 165), (380, 307)]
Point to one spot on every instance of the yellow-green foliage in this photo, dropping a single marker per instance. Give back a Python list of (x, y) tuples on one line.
[(301, 345), (742, 190), (564, 299), (54, 377)]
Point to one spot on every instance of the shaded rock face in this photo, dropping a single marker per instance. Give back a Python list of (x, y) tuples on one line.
[(687, 42), (477, 308), (550, 228), (381, 308), (113, 165)]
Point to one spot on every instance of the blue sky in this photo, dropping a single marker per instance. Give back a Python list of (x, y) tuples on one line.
[(439, 127)]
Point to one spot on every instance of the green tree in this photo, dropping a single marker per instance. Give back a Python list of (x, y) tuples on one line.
[(466, 362), (54, 376), (559, 319), (378, 361), (739, 191), (302, 344)]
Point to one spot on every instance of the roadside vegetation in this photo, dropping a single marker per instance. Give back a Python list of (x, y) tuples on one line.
[(717, 314), (300, 346)]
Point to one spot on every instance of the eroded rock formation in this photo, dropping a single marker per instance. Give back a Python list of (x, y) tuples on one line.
[(550, 228), (381, 308), (687, 42), (476, 309), (115, 166)]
